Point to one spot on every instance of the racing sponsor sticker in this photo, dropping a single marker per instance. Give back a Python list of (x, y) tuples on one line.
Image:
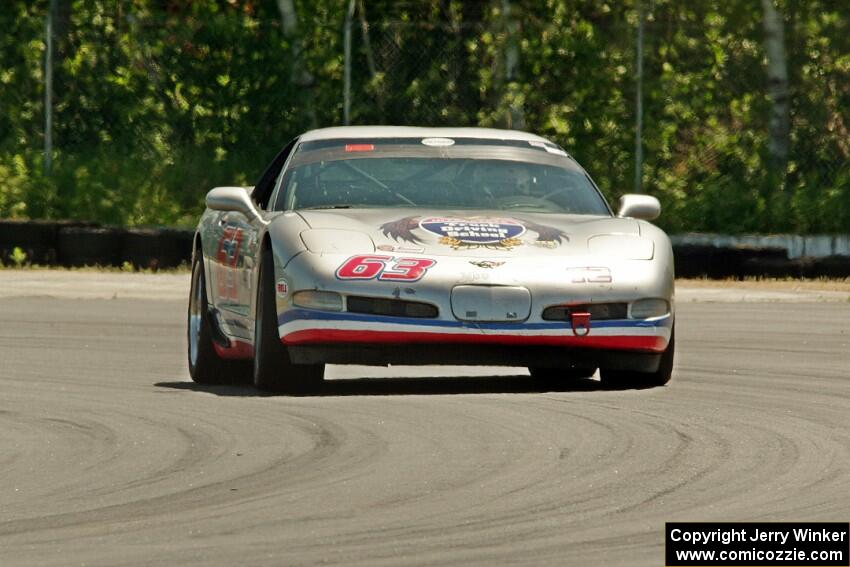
[(493, 233), (590, 275), (482, 230), (438, 142), (282, 288), (393, 248), (488, 264)]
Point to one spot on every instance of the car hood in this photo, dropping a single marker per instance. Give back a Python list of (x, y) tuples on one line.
[(483, 233)]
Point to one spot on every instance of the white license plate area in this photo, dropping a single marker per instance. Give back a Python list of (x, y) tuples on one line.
[(491, 303)]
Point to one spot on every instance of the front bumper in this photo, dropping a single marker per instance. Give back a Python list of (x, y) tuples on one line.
[(350, 338)]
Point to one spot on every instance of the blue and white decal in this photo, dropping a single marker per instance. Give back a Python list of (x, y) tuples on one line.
[(475, 230)]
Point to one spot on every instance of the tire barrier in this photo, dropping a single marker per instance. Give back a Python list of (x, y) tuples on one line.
[(37, 240), (157, 248), (744, 261), (74, 243), (694, 261), (85, 246), (176, 247)]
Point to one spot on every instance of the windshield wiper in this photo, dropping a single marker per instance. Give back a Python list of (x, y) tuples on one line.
[(376, 181)]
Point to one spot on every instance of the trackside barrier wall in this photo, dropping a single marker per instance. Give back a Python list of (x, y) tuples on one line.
[(73, 243), (724, 256)]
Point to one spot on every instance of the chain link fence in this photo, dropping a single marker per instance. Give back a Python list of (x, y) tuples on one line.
[(417, 74), (153, 106)]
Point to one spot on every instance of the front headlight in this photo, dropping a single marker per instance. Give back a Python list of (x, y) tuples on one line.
[(314, 299), (337, 241), (620, 247), (648, 308)]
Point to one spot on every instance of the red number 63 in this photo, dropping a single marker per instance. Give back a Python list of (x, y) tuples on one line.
[(384, 268)]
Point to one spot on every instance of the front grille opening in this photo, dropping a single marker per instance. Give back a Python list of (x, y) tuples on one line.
[(598, 311), (391, 307)]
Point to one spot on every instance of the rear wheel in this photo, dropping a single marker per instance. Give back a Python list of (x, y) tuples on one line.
[(273, 369), (623, 379), (205, 365)]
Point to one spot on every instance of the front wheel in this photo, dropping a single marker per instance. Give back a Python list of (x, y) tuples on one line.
[(273, 369), (205, 365), (625, 379)]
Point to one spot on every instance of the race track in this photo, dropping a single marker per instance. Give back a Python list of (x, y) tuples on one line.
[(111, 456)]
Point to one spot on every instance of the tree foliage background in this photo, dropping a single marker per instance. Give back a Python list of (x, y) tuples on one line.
[(156, 101)]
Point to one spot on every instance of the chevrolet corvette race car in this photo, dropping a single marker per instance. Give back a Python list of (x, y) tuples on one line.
[(399, 245)]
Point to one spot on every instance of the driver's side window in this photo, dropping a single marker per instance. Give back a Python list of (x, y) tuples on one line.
[(271, 177), (278, 188)]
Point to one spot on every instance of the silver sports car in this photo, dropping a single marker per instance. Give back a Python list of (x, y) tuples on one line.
[(397, 245)]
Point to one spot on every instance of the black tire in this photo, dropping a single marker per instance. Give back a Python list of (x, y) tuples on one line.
[(624, 379), (556, 375), (205, 365), (273, 370)]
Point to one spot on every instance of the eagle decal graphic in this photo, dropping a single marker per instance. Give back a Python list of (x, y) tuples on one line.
[(501, 233), (402, 230)]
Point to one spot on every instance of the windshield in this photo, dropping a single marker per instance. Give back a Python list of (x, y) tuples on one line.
[(503, 175)]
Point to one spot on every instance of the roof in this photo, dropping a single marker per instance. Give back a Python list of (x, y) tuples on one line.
[(416, 132)]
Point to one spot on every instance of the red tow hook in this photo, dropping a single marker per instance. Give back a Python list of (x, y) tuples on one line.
[(580, 321)]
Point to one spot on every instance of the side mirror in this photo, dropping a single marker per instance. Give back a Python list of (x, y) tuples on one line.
[(641, 207), (232, 199)]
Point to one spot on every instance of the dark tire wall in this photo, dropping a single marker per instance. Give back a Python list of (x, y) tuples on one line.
[(156, 248), (37, 239), (75, 244), (90, 246)]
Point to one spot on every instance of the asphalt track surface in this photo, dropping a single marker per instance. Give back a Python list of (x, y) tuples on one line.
[(110, 455)]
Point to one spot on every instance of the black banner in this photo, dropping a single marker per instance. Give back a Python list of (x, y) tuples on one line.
[(806, 544)]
